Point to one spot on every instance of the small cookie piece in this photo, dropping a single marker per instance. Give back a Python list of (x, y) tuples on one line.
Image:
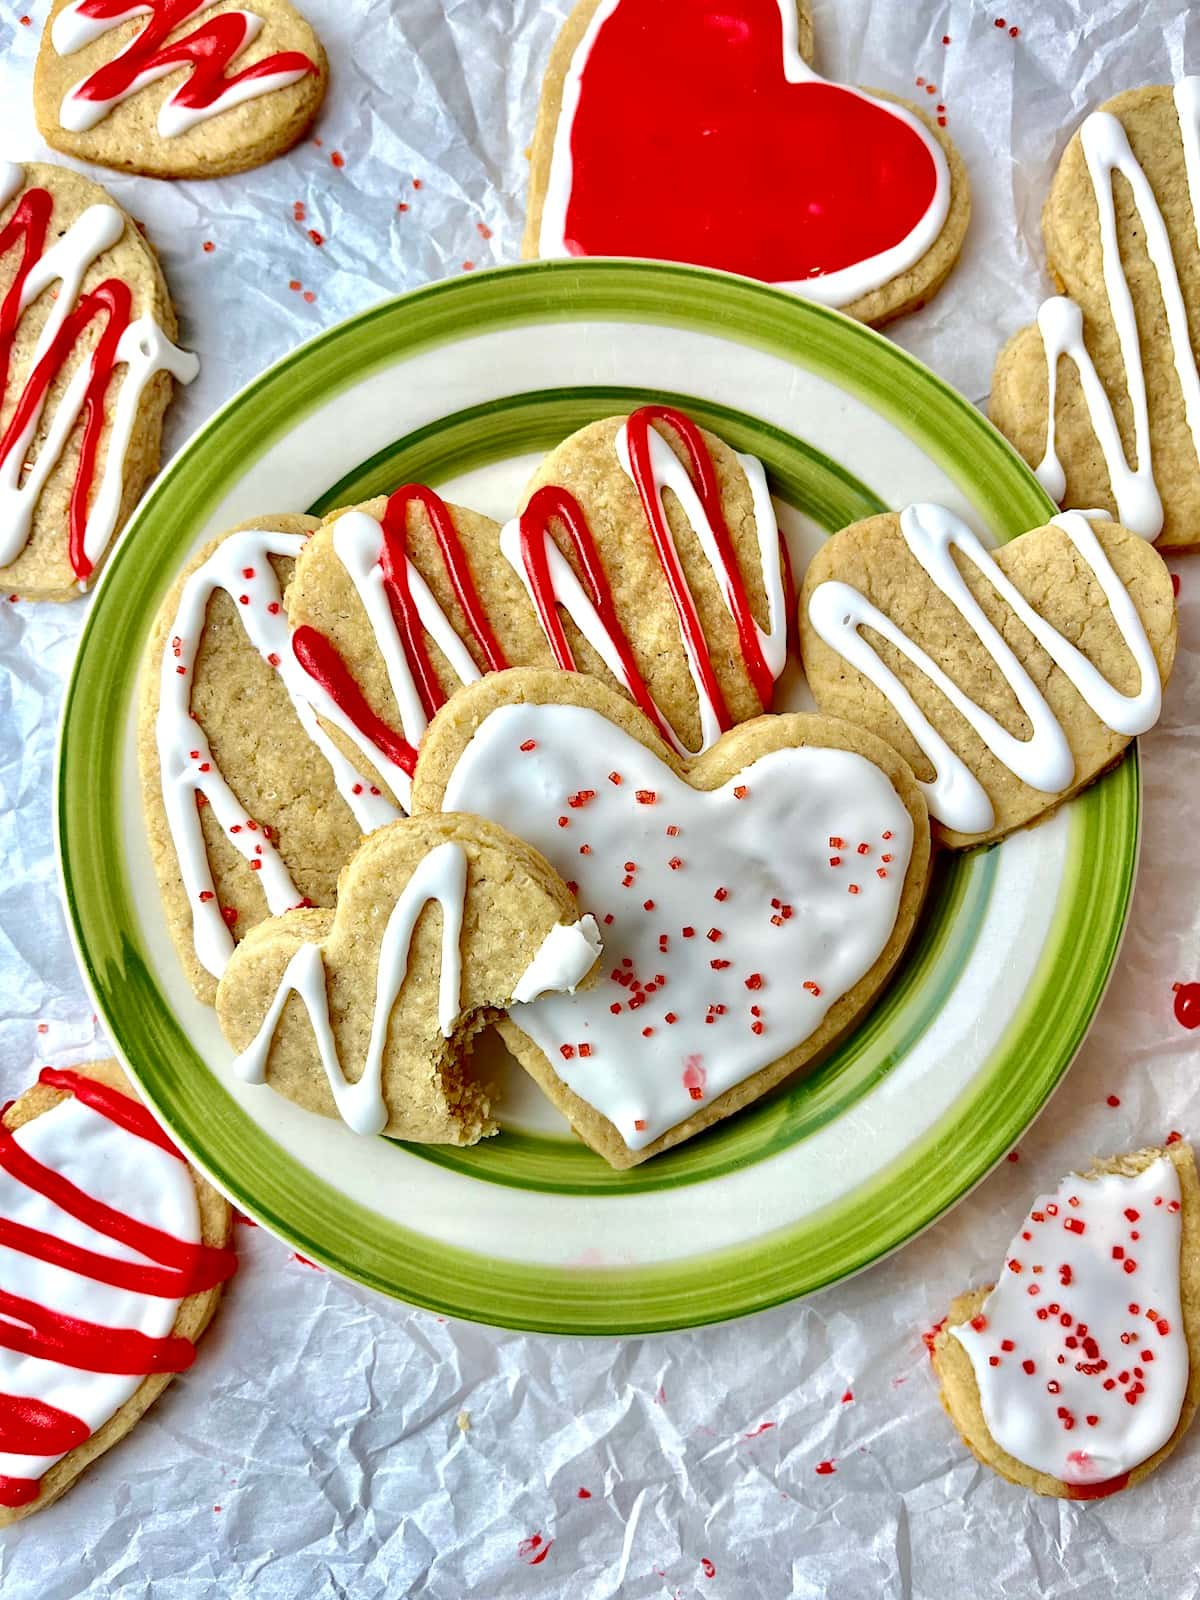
[(1102, 395), (396, 602), (86, 368), (244, 817), (702, 134), (651, 553), (752, 902), (1078, 1373), (1010, 680), (90, 1332), (389, 989), (146, 87)]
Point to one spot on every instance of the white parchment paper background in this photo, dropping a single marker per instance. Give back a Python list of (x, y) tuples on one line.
[(314, 1449)]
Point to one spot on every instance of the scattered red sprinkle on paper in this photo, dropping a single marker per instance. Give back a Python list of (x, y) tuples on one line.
[(208, 247), (402, 205), (337, 159), (534, 1550), (740, 792), (308, 296), (1114, 1100), (305, 1262), (824, 1468), (317, 238), (1175, 584), (482, 229), (468, 266), (645, 797), (762, 1428), (1013, 32), (530, 744), (583, 1494), (299, 211), (945, 38), (1187, 1004), (229, 914), (707, 1567), (1013, 1155), (295, 285), (417, 183), (1173, 1137), (847, 1397)]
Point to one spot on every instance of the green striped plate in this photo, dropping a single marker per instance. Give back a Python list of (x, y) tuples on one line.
[(464, 385)]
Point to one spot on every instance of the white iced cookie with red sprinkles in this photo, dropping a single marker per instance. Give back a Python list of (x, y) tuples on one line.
[(751, 901), (1078, 1371)]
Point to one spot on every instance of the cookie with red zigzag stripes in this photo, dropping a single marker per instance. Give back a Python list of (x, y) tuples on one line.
[(90, 1336), (177, 88)]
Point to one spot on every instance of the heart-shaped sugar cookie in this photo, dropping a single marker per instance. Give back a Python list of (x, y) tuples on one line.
[(751, 902), (700, 133), (1102, 394), (177, 88), (367, 1012), (91, 1330), (1009, 681)]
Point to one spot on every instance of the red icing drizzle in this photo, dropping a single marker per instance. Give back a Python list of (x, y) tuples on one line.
[(553, 502), (208, 49), (29, 224), (1097, 1491), (30, 1426), (688, 144), (322, 661)]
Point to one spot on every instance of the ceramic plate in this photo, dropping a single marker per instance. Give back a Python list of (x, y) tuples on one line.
[(465, 385)]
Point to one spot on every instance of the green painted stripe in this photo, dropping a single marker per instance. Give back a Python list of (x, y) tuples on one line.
[(270, 1184)]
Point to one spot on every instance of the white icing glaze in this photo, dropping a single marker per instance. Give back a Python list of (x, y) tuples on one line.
[(71, 31), (1044, 761), (786, 916), (440, 877), (128, 1173), (670, 473), (358, 543), (565, 957), (186, 760), (144, 349), (1107, 151), (832, 288), (1071, 1331)]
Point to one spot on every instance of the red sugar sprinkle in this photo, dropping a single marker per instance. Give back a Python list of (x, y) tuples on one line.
[(979, 1323), (640, 1124), (812, 988), (825, 1468), (834, 844), (317, 238), (1130, 1265), (713, 934), (945, 38), (835, 861), (566, 1051), (298, 211), (646, 1032), (337, 159), (626, 881), (756, 1011), (670, 1017), (1007, 1344), (864, 849), (1000, 22), (564, 822), (1029, 1368), (205, 896), (993, 1361), (647, 905), (754, 981), (273, 659), (1173, 1138), (886, 835), (672, 831), (718, 966), (615, 1008), (256, 866), (1013, 33), (663, 943), (273, 608), (721, 894), (675, 863), (585, 1050), (740, 792), (854, 888), (229, 914), (688, 933), (847, 1397), (402, 205), (1114, 1100), (1074, 1225), (1053, 1387), (645, 797), (631, 866), (585, 849), (581, 798), (530, 744), (880, 872), (615, 777), (920, 82), (1172, 1205), (756, 1027), (208, 247)]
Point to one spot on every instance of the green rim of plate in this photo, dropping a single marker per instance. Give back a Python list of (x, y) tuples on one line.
[(1039, 1042)]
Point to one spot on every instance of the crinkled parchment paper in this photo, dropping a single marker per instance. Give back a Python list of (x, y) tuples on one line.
[(330, 1443)]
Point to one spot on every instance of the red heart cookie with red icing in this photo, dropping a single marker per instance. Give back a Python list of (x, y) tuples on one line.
[(751, 902), (698, 132)]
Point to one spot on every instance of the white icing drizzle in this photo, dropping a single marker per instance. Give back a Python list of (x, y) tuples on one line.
[(440, 877), (137, 1177), (143, 348), (186, 760), (358, 544), (1080, 1351), (1044, 761), (777, 934), (71, 31), (564, 958), (1107, 151), (670, 473), (832, 288)]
